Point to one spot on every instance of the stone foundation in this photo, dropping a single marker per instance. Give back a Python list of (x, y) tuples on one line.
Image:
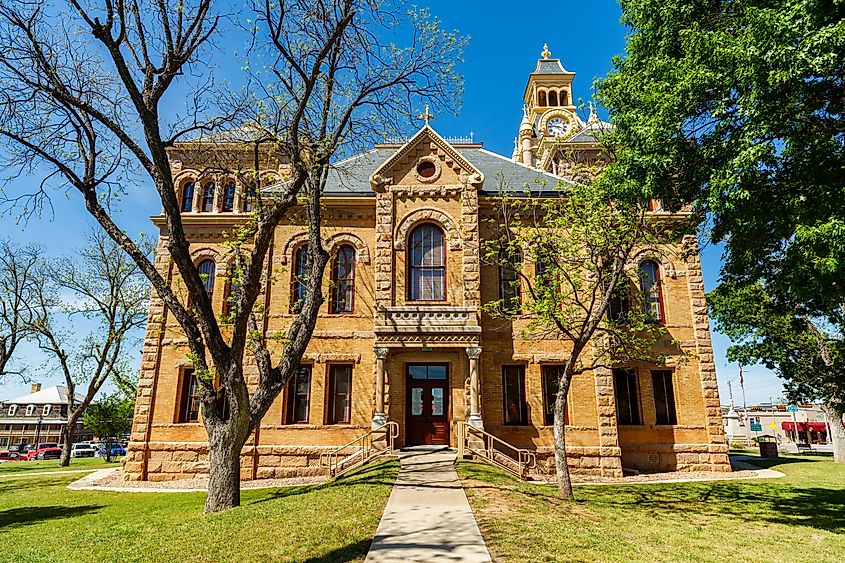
[(657, 458)]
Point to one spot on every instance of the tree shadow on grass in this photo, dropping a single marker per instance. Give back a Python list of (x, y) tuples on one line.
[(27, 515), (349, 552)]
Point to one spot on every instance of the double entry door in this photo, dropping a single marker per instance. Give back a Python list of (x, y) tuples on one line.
[(427, 404)]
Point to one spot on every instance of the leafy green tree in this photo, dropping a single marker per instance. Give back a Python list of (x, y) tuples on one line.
[(738, 107), (110, 418), (585, 285), (808, 353)]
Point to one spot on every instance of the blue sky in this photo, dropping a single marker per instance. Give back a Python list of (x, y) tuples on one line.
[(506, 41)]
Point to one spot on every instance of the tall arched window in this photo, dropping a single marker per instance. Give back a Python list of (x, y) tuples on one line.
[(510, 264), (300, 276), (552, 98), (343, 280), (650, 285), (207, 269), (541, 98), (188, 197), (229, 197), (247, 198), (208, 198), (427, 275), (563, 98)]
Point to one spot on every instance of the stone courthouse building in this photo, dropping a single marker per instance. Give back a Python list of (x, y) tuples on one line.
[(402, 336)]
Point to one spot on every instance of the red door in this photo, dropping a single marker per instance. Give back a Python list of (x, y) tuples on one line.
[(427, 402)]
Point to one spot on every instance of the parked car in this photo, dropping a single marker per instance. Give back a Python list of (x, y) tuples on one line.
[(83, 449), (10, 456), (116, 450), (46, 450)]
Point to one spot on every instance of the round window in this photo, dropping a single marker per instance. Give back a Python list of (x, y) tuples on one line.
[(426, 169)]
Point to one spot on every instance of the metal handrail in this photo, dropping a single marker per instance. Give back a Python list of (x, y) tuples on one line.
[(341, 460), (524, 460)]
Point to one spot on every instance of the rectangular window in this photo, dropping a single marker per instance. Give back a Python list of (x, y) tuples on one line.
[(513, 386), (4, 442), (30, 409), (189, 404), (627, 398), (340, 394), (13, 409), (551, 377), (46, 410), (299, 396), (664, 397)]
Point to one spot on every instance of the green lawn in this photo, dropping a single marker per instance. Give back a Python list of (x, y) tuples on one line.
[(92, 463), (800, 517), (41, 520)]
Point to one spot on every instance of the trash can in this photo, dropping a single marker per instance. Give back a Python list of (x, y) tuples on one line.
[(768, 446)]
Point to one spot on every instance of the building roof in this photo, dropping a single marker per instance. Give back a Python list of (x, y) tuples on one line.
[(351, 177), (550, 66), (55, 395)]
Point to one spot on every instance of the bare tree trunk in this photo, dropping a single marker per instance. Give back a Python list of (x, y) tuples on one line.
[(837, 432), (224, 468), (564, 483), (69, 435)]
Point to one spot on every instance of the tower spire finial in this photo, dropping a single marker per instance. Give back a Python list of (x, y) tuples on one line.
[(546, 53)]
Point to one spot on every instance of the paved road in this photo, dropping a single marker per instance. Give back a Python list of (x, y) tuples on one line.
[(427, 517)]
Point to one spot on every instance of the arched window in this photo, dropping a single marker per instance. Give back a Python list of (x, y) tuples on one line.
[(619, 305), (541, 98), (188, 197), (229, 197), (650, 285), (552, 98), (427, 275), (300, 276), (207, 269), (208, 198), (248, 197), (343, 280), (563, 98), (510, 264)]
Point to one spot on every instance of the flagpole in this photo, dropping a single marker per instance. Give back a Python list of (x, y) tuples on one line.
[(742, 385)]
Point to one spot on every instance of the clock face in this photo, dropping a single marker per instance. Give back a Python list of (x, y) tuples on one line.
[(556, 126)]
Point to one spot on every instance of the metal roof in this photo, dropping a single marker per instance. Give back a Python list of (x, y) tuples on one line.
[(56, 395)]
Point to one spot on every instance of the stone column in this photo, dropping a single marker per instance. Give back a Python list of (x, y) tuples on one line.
[(379, 418), (474, 420)]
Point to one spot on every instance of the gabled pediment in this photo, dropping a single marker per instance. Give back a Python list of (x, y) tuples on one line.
[(427, 159)]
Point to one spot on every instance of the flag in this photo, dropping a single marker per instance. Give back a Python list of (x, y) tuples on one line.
[(741, 384)]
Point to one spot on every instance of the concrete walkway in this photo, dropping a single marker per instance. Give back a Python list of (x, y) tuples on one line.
[(427, 517)]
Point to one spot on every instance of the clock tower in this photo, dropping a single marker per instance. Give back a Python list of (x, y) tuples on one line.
[(549, 117)]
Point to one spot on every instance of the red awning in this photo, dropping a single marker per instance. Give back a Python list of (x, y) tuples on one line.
[(804, 426)]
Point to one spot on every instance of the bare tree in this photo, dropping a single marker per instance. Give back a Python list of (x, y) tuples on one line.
[(17, 267), (103, 286), (90, 112)]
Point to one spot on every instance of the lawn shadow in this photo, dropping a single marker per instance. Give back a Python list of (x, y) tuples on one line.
[(28, 515), (349, 552)]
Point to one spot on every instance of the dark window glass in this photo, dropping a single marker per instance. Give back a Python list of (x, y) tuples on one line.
[(300, 276), (541, 98), (189, 405), (340, 391), (208, 198), (299, 396), (650, 285), (563, 98), (207, 269), (343, 280), (188, 197), (664, 397), (427, 264), (551, 378), (427, 371), (229, 197), (248, 197), (619, 305), (513, 385), (627, 398), (552, 98), (509, 290)]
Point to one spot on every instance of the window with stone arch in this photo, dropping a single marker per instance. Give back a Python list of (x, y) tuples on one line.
[(207, 269), (207, 204), (564, 98), (188, 197), (652, 291), (541, 98), (343, 280), (552, 98), (510, 265), (229, 197), (427, 263), (300, 277)]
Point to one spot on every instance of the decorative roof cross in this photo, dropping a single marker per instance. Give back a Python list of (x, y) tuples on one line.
[(426, 115)]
